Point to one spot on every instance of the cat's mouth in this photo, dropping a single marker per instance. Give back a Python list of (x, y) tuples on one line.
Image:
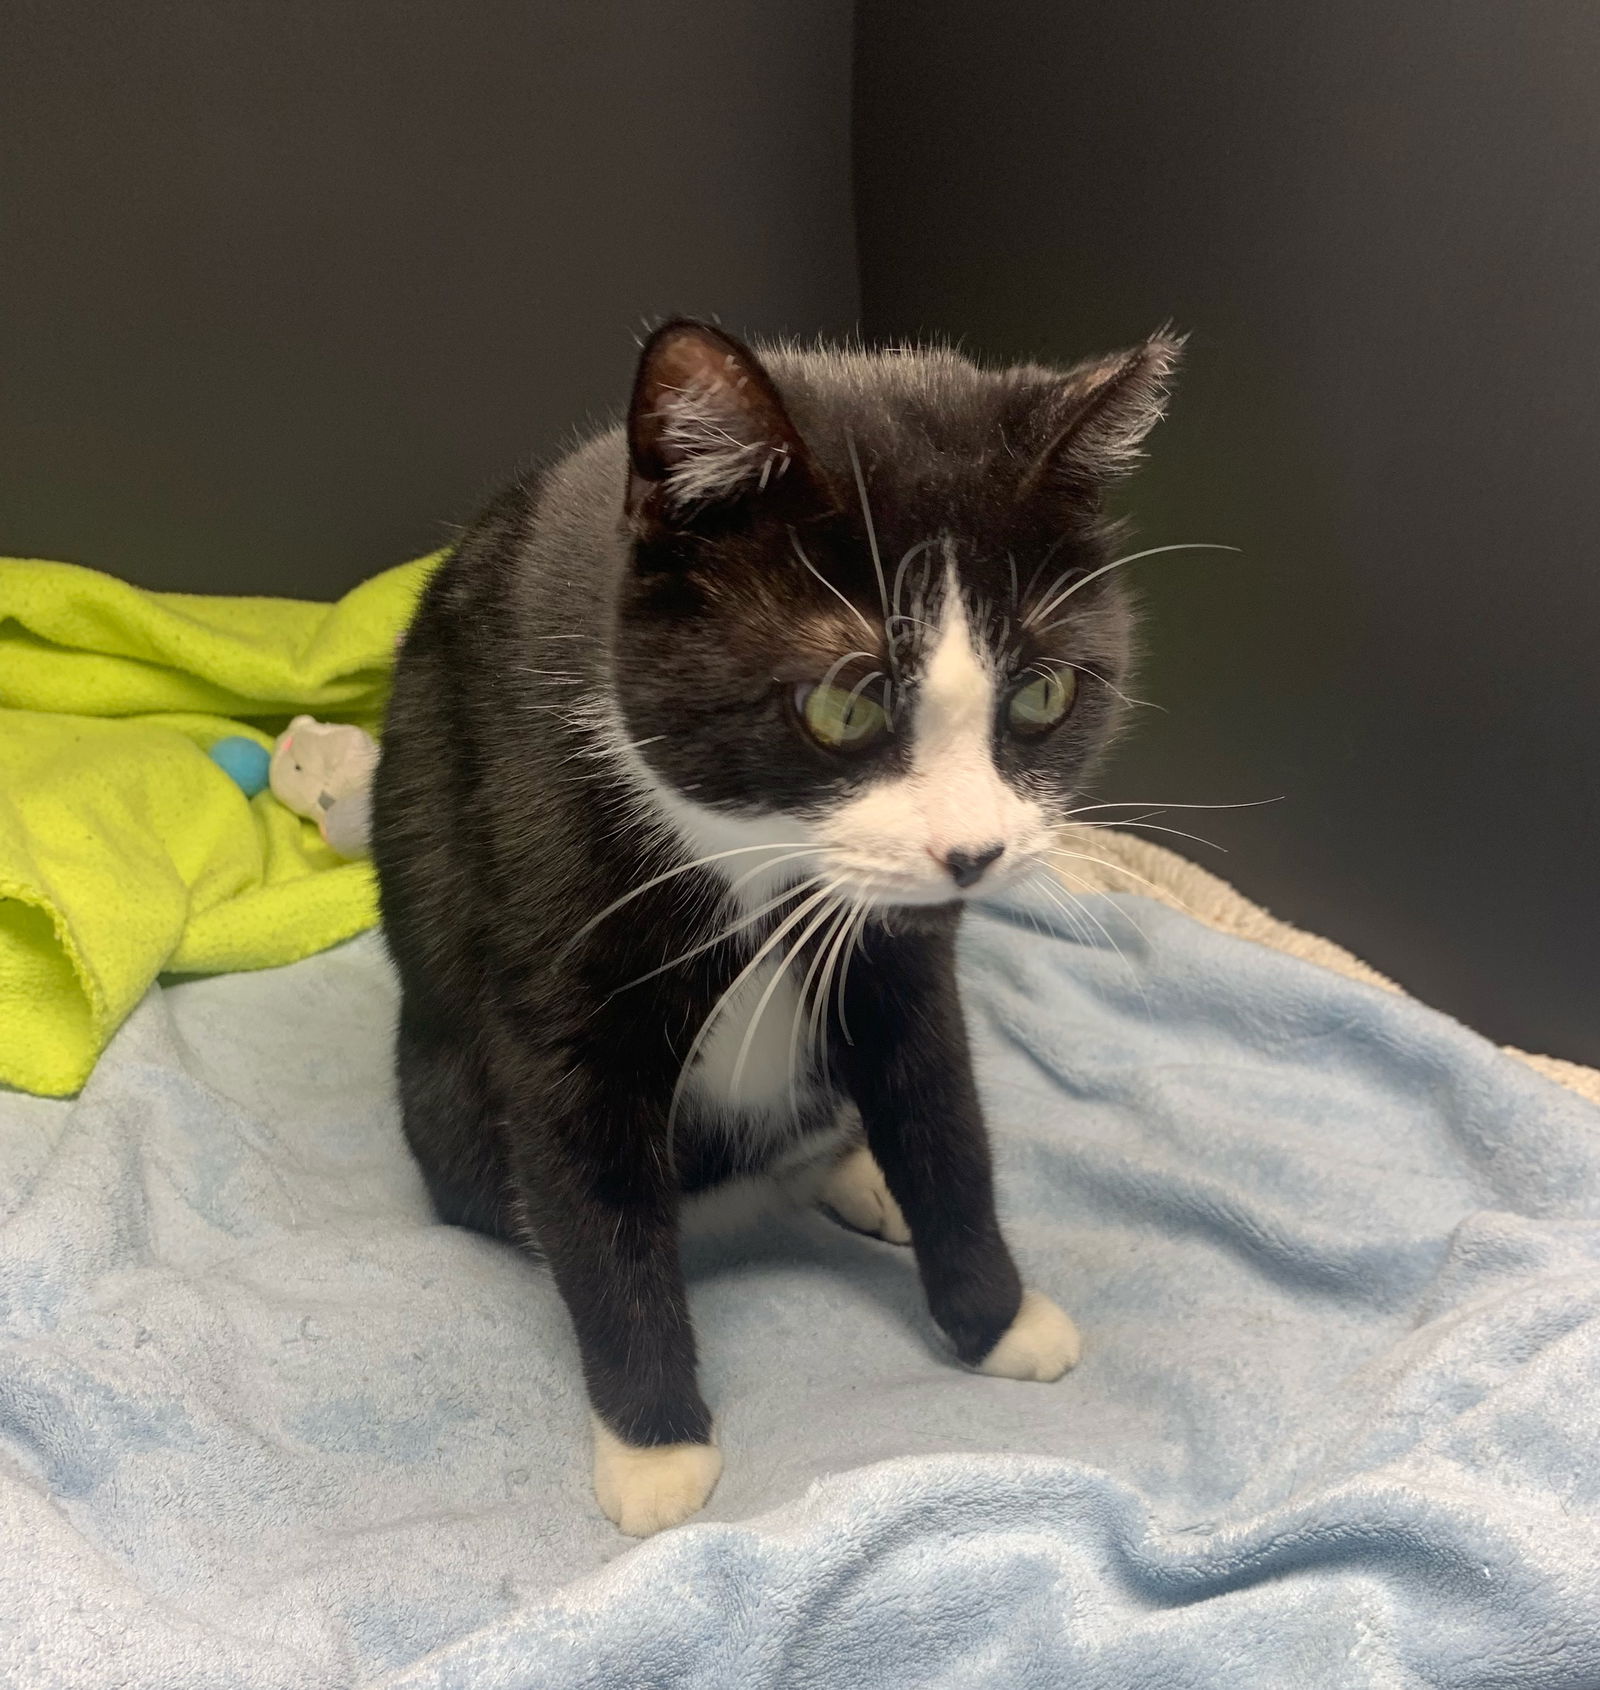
[(894, 887)]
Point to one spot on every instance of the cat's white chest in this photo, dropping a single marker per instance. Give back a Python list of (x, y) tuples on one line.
[(755, 1056)]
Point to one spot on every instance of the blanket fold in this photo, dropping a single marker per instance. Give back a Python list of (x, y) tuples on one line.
[(124, 851)]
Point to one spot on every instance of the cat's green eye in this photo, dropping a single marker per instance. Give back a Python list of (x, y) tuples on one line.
[(1041, 701), (840, 718)]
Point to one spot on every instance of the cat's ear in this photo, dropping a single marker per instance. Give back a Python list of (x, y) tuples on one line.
[(706, 426), (1102, 412)]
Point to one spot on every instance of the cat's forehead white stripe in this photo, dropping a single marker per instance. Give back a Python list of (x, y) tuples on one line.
[(954, 717)]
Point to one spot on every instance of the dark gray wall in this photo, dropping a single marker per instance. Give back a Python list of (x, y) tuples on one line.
[(288, 284), (1381, 221)]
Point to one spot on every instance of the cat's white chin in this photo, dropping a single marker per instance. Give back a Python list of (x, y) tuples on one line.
[(884, 893), (895, 892)]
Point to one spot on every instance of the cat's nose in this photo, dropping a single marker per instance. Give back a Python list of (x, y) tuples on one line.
[(966, 867)]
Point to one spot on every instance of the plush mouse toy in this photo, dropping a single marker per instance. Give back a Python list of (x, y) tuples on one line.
[(324, 770)]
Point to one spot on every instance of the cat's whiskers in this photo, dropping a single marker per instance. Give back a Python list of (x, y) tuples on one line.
[(1177, 832), (559, 714), (1044, 882), (602, 751), (838, 954), (737, 886), (685, 868), (1099, 892), (899, 581), (1157, 805), (860, 927), (737, 927), (1055, 891), (832, 673), (779, 974), (820, 951), (772, 941), (1052, 604), (1116, 868), (794, 540), (1149, 826), (866, 517), (1095, 675), (865, 682), (827, 955), (906, 616), (1043, 564), (896, 615)]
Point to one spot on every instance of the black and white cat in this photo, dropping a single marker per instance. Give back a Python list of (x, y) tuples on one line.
[(700, 742)]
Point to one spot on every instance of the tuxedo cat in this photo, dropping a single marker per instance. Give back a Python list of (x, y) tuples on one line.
[(701, 741)]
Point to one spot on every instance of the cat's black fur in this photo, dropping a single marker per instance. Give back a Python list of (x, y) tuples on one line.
[(601, 601)]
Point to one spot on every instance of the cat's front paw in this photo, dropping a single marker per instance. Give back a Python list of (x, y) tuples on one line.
[(855, 1191), (1041, 1343), (644, 1489)]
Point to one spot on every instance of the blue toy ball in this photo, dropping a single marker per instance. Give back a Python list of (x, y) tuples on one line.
[(247, 762)]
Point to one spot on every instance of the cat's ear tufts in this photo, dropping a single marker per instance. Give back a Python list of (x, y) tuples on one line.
[(706, 426), (1104, 409)]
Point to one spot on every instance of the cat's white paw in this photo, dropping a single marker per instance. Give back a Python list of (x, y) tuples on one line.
[(855, 1191), (647, 1488), (1041, 1343)]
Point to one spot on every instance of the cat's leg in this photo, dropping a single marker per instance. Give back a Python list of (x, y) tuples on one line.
[(910, 1071), (592, 1196), (446, 1111)]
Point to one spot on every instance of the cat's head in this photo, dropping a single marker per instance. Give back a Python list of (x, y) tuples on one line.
[(863, 621)]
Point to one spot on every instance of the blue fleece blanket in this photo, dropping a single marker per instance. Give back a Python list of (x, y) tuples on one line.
[(1337, 1262)]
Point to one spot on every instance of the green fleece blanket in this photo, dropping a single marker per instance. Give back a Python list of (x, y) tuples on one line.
[(125, 852)]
